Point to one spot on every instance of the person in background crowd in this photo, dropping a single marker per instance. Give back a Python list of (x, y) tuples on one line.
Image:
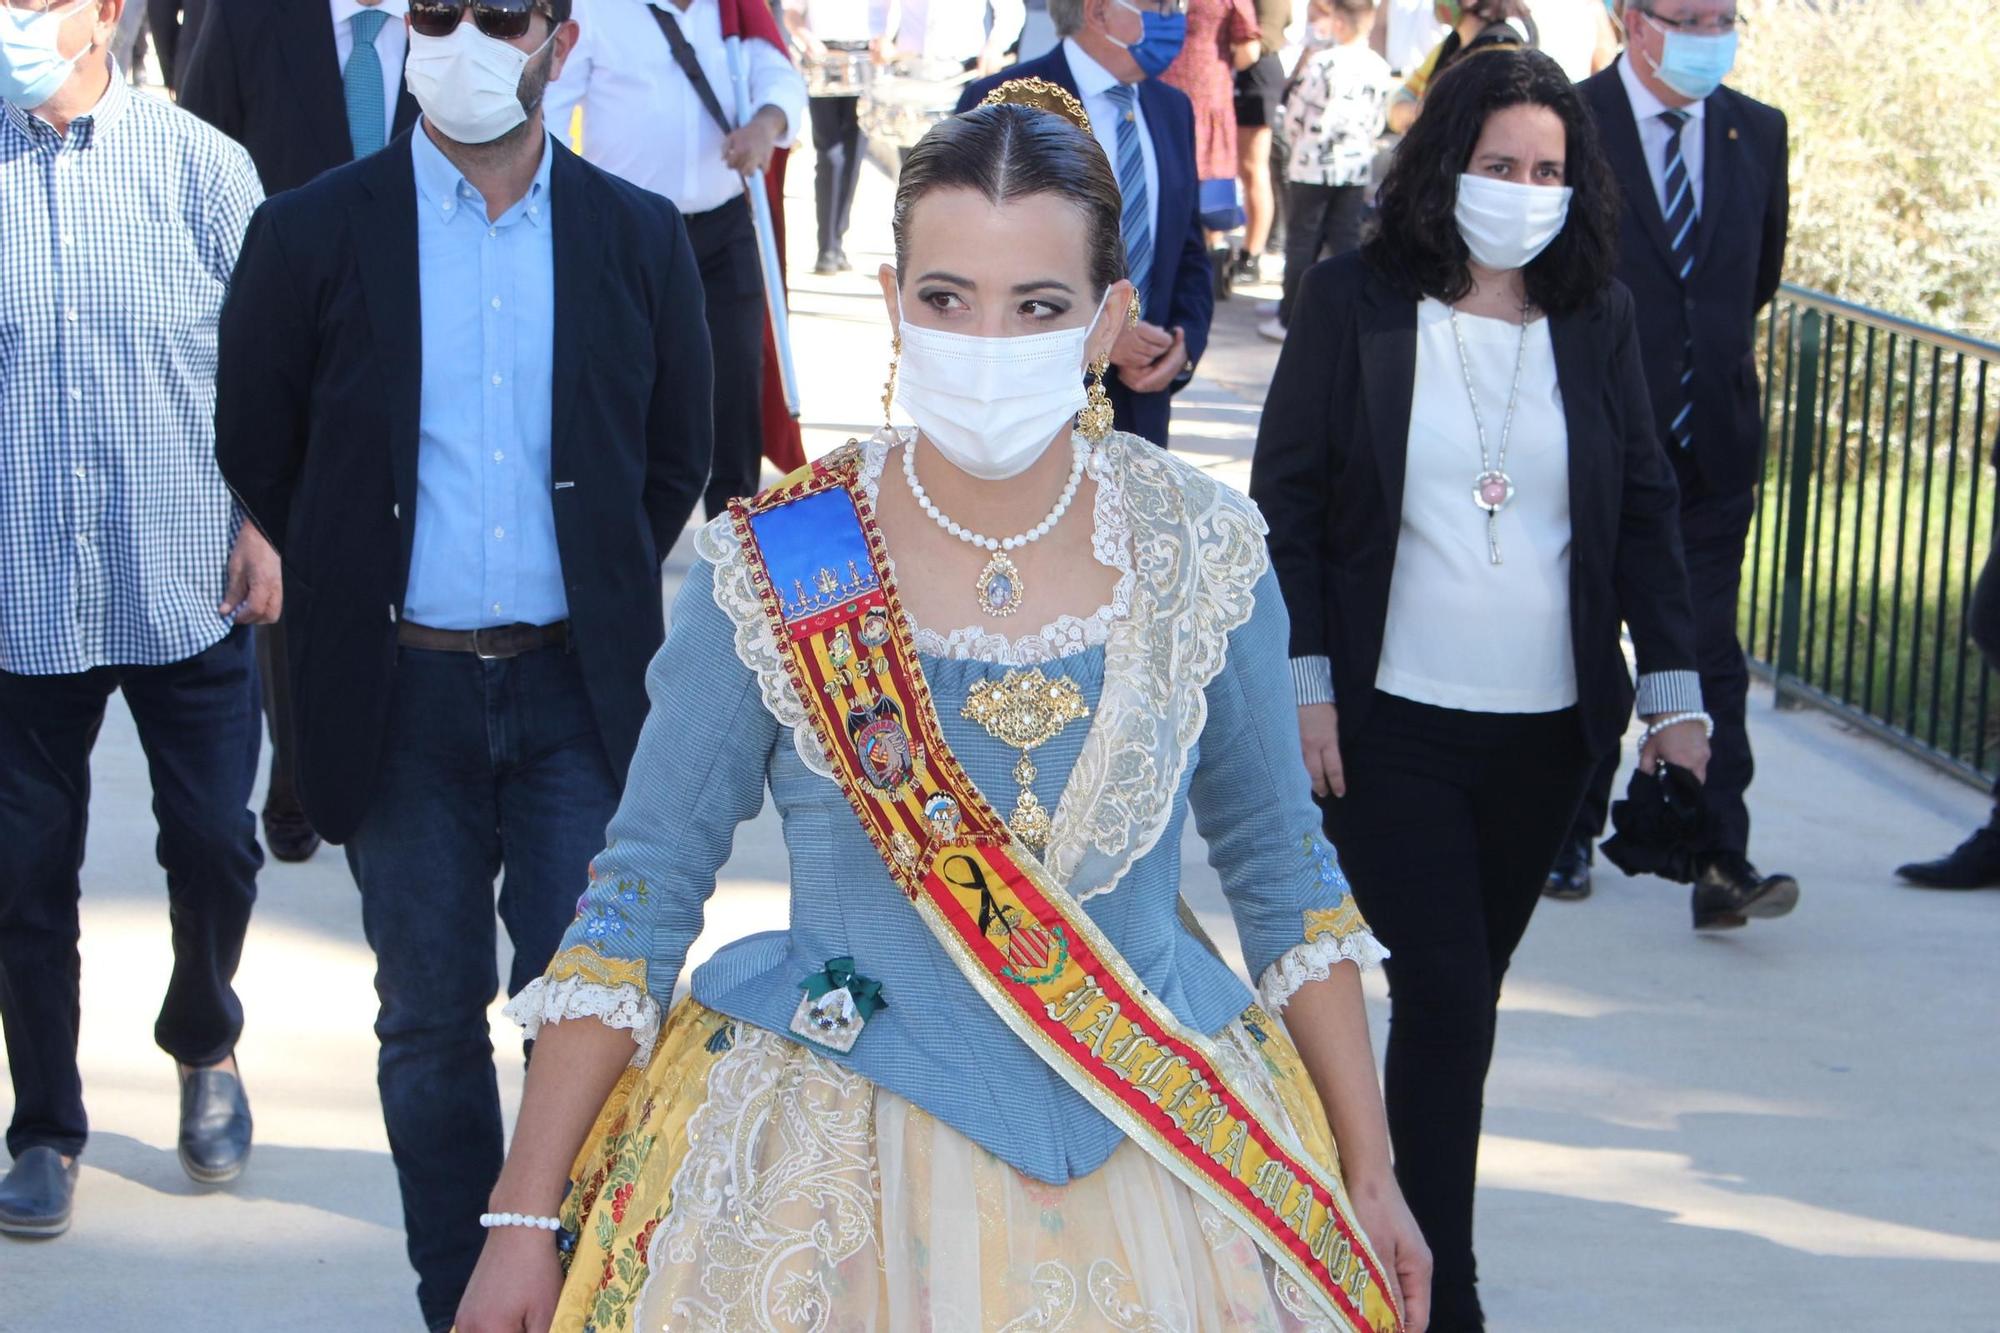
[(1110, 58), (1974, 863), (973, 33), (464, 389), (842, 28), (1221, 42), (305, 85), (1410, 30), (124, 567), (1703, 171), (1334, 113), (175, 25), (1474, 26), (647, 119), (1466, 495), (1576, 34), (1260, 90)]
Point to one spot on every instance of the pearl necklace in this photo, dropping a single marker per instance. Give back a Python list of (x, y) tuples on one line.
[(999, 586)]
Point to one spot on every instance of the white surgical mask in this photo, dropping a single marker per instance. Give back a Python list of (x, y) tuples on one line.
[(468, 84), (992, 406), (32, 67), (1506, 225)]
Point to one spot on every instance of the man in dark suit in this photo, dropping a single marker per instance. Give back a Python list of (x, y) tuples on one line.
[(174, 24), (1703, 171), (1147, 129), (464, 388), (305, 85)]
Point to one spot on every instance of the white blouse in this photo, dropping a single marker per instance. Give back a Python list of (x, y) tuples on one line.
[(1463, 632)]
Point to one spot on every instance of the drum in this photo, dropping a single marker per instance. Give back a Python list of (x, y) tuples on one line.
[(907, 98), (841, 74)]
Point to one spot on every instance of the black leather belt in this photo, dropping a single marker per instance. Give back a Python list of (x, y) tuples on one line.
[(497, 642)]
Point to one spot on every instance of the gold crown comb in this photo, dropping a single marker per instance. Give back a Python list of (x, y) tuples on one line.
[(1041, 95)]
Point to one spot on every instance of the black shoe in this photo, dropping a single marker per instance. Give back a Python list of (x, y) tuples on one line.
[(1569, 878), (1729, 891), (288, 833), (1974, 864), (215, 1126), (1248, 270), (829, 263), (35, 1197)]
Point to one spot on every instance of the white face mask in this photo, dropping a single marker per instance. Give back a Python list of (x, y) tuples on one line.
[(1506, 225), (992, 406), (468, 84)]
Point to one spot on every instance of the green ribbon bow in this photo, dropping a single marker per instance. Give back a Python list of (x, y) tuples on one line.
[(840, 972)]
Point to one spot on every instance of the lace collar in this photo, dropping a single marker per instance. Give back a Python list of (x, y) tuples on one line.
[(1110, 542)]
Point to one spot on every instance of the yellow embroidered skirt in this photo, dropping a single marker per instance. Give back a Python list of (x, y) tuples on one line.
[(743, 1182)]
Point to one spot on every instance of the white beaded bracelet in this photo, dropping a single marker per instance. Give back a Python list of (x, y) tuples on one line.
[(1675, 720), (491, 1220)]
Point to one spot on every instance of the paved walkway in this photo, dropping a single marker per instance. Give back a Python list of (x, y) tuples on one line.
[(1787, 1128)]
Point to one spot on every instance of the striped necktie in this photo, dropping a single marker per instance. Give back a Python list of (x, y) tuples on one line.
[(1680, 215), (363, 77), (1136, 223)]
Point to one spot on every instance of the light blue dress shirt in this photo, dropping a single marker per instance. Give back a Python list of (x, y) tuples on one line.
[(484, 547)]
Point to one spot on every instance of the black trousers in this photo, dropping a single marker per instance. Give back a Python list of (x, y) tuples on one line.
[(1446, 832), (1323, 221), (836, 130), (725, 247), (1714, 530), (198, 725), (1982, 623)]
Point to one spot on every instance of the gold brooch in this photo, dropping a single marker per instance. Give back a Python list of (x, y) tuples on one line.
[(1025, 709)]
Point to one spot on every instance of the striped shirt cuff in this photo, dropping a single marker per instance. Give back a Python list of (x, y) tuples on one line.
[(1660, 692), (1312, 680)]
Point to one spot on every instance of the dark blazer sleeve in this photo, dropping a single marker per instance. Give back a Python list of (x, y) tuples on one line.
[(680, 422), (1777, 215), (1193, 306), (208, 78), (263, 378), (1649, 569), (1291, 473)]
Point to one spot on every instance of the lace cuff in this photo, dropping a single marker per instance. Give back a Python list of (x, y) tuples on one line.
[(1314, 961), (545, 1000)]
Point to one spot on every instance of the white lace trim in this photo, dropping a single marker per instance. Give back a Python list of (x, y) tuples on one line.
[(624, 1006), (1314, 961), (1110, 542)]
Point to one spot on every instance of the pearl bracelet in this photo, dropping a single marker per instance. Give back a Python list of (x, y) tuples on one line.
[(1675, 720), (491, 1220)]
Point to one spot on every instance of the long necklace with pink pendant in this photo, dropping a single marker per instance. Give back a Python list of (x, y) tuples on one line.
[(1492, 489)]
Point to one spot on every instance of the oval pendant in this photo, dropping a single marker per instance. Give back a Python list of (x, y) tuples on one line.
[(1492, 491), (999, 586)]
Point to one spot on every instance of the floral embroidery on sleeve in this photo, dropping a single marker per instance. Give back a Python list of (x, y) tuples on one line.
[(1333, 935)]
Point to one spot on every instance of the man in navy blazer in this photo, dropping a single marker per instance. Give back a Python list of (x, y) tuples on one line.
[(1156, 358), (271, 74), (464, 389), (1703, 171)]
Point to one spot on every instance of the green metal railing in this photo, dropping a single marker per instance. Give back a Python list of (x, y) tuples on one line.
[(1877, 511)]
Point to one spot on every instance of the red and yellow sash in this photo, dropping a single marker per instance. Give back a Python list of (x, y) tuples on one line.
[(1025, 945)]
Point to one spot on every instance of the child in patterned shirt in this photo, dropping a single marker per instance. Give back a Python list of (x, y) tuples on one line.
[(1334, 111)]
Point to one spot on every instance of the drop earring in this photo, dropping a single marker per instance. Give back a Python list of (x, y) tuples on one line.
[(1094, 422), (889, 388)]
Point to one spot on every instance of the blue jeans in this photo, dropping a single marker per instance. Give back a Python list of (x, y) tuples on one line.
[(198, 725), (493, 768)]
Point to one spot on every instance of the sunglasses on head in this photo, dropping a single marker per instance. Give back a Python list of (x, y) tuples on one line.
[(504, 19)]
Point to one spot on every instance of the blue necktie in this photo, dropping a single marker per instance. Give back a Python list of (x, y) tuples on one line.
[(363, 77), (1680, 215), (1136, 224)]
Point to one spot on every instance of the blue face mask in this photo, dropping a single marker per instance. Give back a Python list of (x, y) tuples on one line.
[(1161, 39), (1694, 65), (31, 66)]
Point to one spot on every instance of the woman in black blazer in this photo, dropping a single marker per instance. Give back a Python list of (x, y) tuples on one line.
[(1466, 497)]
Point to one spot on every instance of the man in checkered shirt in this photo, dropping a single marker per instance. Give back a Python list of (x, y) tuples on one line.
[(124, 565)]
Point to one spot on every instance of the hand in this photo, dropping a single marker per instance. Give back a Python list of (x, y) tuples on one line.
[(1319, 742), (1162, 372), (1139, 346), (749, 148), (515, 1285), (812, 46), (882, 50), (1684, 745), (1406, 1259), (256, 591)]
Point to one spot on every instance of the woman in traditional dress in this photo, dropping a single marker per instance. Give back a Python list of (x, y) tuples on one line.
[(991, 1076)]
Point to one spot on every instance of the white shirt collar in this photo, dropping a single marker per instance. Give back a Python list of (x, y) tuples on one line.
[(1092, 79), (343, 10), (1645, 104)]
